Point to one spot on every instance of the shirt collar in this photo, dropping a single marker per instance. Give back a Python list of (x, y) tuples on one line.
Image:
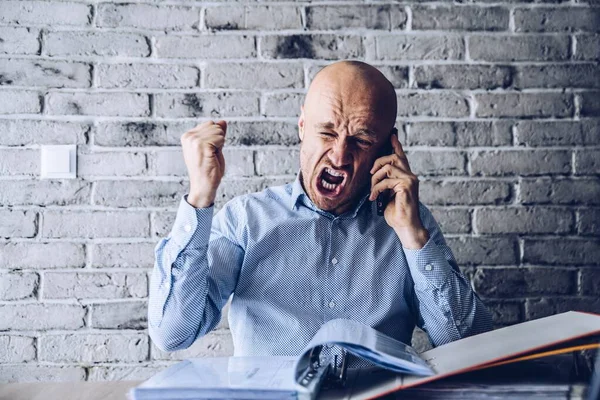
[(298, 195)]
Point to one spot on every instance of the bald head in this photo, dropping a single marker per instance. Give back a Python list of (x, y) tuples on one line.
[(355, 82), (344, 126)]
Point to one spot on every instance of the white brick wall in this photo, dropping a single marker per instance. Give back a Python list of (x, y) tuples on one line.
[(498, 110)]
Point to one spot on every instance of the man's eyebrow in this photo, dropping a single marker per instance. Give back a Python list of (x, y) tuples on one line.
[(362, 131)]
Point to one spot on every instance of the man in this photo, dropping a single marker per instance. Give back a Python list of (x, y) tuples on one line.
[(298, 255)]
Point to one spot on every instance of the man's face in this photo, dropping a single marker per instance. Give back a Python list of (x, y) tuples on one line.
[(341, 138)]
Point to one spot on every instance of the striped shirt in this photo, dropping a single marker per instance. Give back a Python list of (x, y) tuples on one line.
[(288, 267)]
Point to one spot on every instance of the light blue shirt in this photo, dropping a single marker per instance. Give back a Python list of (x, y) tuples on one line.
[(290, 267)]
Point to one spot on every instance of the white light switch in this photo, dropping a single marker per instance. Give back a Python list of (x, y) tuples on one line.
[(59, 162)]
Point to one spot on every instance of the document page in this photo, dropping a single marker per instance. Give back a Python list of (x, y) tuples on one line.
[(365, 342)]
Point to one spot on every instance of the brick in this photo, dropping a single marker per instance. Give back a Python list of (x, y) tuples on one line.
[(16, 223), (252, 75), (108, 163), (103, 44), (206, 46), (519, 48), (146, 16), (16, 40), (20, 102), (231, 188), (43, 12), (162, 222), (44, 192), (20, 132), (208, 105), (255, 17), (95, 224), (14, 349), (590, 282), (214, 344), (590, 104), (19, 162), (93, 348), (464, 192), (440, 104), (452, 220), (371, 16), (238, 162), (562, 251), (396, 74), (520, 162), (262, 133), (467, 18), (41, 255), (459, 133), (525, 220), (277, 161), (125, 255), (141, 134), (524, 105), (583, 76), (560, 191), (558, 133), (588, 48), (49, 74), (36, 373), (139, 194), (160, 76), (587, 162), (564, 19), (463, 76), (105, 104), (47, 316), (282, 104), (506, 282), (319, 46), (421, 47), (544, 307), (18, 285), (94, 285), (505, 312), (129, 373), (120, 315), (444, 162), (589, 222), (486, 251)]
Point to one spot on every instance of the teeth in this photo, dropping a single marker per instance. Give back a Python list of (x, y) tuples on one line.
[(333, 172), (327, 185)]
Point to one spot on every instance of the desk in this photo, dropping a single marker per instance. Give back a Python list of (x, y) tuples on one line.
[(450, 391), (527, 380)]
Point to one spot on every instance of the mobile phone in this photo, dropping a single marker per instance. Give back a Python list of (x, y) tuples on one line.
[(383, 197)]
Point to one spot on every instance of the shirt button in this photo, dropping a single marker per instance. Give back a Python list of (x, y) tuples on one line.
[(428, 267), (457, 322), (331, 304), (334, 261), (187, 228)]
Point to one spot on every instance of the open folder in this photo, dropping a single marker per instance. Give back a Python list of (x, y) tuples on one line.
[(302, 377)]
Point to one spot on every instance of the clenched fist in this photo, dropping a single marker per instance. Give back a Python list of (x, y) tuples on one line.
[(203, 154)]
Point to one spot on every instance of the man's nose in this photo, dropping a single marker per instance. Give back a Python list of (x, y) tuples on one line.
[(340, 154)]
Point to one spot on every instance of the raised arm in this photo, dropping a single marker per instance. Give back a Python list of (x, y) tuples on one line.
[(196, 266)]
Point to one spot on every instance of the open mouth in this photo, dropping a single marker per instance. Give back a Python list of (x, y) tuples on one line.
[(331, 182)]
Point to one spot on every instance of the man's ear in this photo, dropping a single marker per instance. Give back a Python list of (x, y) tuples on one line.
[(301, 124)]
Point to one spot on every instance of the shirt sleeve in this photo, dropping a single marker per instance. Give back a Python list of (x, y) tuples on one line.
[(195, 271), (448, 309)]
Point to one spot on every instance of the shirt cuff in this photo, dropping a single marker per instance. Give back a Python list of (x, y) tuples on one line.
[(428, 266), (192, 225)]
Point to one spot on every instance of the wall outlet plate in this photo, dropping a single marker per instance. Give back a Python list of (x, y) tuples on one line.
[(59, 162)]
